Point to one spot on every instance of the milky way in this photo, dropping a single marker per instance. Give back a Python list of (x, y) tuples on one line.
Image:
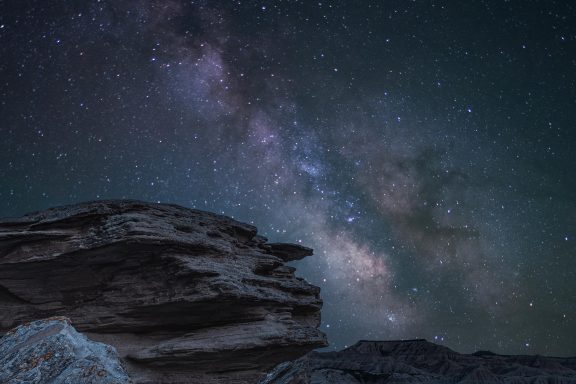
[(424, 149)]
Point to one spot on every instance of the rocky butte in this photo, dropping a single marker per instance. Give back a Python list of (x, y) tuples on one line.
[(419, 361), (184, 296)]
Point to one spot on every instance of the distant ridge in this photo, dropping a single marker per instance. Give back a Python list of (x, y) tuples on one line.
[(420, 361)]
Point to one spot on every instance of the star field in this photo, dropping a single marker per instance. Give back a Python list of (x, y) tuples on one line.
[(424, 149)]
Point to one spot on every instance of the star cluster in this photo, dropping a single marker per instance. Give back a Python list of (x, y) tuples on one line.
[(424, 149)]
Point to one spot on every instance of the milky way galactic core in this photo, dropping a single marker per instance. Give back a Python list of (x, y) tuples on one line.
[(424, 149)]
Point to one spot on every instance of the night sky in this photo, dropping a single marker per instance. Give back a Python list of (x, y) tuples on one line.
[(424, 149)]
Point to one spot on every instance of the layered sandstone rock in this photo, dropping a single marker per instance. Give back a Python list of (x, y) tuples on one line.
[(185, 296)]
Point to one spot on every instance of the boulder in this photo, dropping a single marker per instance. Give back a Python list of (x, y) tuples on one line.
[(185, 296), (52, 352)]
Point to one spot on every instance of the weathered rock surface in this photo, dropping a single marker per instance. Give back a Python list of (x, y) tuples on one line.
[(185, 296), (419, 361), (51, 351)]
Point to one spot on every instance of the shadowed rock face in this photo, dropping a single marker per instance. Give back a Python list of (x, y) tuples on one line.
[(419, 361), (185, 296), (51, 351)]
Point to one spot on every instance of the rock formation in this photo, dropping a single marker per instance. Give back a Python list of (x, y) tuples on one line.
[(419, 361), (185, 296), (51, 351)]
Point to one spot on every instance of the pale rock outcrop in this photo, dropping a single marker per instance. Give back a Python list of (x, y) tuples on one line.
[(50, 351)]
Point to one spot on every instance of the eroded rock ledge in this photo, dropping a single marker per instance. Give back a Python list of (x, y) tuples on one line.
[(185, 296)]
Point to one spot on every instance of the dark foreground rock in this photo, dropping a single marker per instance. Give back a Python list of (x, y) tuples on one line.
[(419, 361), (51, 351), (185, 296)]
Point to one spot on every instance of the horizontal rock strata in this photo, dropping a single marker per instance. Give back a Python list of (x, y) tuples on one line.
[(185, 296)]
